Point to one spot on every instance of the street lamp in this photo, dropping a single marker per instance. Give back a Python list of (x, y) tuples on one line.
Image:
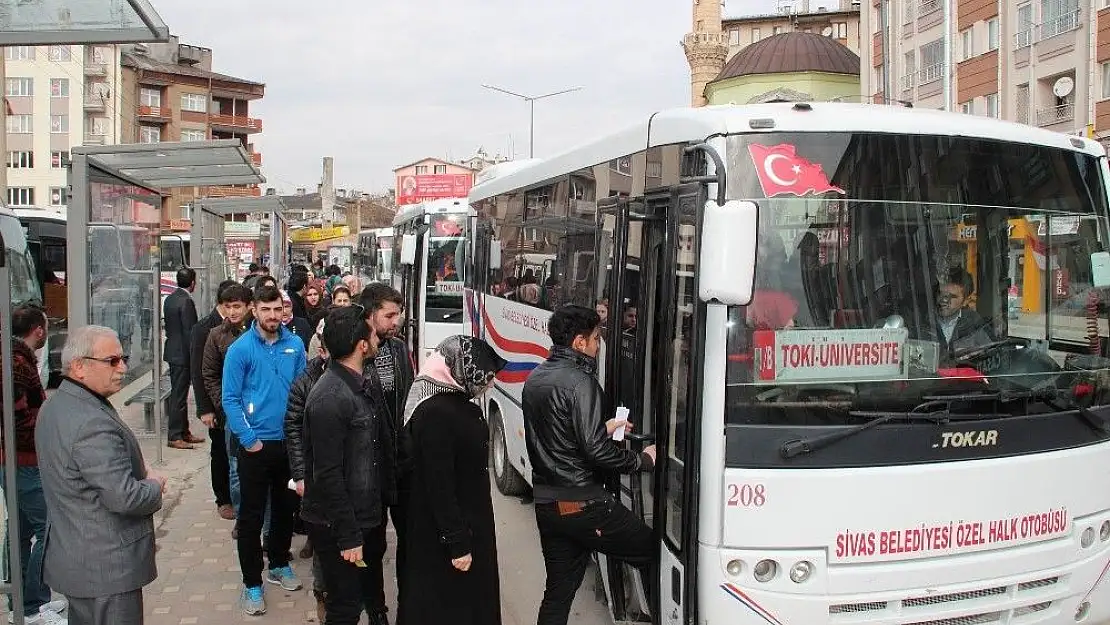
[(532, 115)]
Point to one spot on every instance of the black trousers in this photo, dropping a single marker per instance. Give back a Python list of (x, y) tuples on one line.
[(350, 589), (264, 474), (177, 404), (220, 467), (568, 541)]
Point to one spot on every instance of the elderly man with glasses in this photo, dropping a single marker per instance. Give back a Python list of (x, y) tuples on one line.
[(100, 494)]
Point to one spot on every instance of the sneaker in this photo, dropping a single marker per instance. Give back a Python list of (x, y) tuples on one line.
[(57, 605), (285, 577), (46, 617), (252, 600)]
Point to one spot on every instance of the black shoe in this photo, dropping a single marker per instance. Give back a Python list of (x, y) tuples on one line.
[(379, 618)]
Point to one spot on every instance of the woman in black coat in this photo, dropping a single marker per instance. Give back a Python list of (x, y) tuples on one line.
[(450, 572)]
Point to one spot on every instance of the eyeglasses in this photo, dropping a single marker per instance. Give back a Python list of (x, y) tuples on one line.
[(111, 361)]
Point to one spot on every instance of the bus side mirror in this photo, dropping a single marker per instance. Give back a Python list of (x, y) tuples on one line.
[(1100, 270), (727, 260), (408, 249), (495, 254)]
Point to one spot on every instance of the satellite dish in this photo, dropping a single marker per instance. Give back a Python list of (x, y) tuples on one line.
[(1063, 86), (827, 31)]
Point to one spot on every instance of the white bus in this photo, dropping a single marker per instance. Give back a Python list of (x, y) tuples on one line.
[(810, 310), (374, 255), (428, 255)]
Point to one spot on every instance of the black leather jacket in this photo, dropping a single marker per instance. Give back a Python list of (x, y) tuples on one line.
[(564, 424), (341, 482), (294, 415)]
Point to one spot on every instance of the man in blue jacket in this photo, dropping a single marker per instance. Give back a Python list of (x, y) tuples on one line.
[(258, 372)]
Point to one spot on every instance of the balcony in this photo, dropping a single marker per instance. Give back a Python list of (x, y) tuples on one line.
[(154, 113), (1023, 39), (1065, 23), (237, 122), (931, 73), (227, 191), (256, 158), (95, 139), (908, 81), (927, 6), (96, 69), (95, 103), (1056, 114)]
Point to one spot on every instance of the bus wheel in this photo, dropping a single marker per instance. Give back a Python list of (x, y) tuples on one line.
[(509, 481)]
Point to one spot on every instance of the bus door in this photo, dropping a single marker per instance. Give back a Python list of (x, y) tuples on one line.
[(412, 288), (648, 255)]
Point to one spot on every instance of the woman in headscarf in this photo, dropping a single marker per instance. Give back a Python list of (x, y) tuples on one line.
[(296, 325), (450, 543)]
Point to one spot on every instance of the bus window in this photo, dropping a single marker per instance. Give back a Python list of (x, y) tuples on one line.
[(174, 254), (446, 246)]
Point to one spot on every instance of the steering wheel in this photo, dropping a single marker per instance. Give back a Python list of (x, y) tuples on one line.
[(971, 353)]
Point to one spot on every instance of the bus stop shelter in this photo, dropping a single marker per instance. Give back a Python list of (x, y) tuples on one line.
[(113, 234), (273, 208)]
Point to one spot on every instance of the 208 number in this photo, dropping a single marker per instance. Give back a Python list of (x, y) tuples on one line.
[(746, 495)]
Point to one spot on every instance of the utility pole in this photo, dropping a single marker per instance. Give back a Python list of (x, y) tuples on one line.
[(531, 100)]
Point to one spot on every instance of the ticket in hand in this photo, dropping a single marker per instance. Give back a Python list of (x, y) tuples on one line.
[(622, 415)]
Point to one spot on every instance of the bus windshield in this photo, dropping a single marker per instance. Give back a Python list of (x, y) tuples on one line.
[(894, 271), (172, 254), (25, 286), (446, 243)]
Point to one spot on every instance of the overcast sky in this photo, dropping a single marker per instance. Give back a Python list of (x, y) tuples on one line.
[(381, 83)]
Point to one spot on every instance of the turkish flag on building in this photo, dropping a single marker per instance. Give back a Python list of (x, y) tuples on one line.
[(782, 172)]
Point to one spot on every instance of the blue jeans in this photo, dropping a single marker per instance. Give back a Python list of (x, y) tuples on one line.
[(32, 523), (233, 477)]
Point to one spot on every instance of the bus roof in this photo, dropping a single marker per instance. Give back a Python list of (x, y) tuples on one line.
[(39, 213), (380, 232), (685, 125), (451, 205)]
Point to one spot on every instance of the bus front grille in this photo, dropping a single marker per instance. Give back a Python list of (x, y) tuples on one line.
[(974, 619), (916, 602)]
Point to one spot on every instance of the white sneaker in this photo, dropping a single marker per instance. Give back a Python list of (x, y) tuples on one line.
[(57, 606), (46, 617)]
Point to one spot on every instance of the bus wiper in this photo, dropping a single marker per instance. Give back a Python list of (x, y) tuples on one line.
[(451, 315), (1048, 396), (798, 447)]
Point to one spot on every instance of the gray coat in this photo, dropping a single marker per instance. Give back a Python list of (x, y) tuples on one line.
[(100, 531)]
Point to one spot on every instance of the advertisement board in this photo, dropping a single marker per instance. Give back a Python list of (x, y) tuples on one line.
[(420, 188)]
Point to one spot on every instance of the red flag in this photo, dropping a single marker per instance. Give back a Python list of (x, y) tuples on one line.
[(782, 172)]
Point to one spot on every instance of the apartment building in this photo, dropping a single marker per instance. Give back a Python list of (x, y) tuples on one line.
[(836, 19), (1039, 62), (172, 94), (57, 97)]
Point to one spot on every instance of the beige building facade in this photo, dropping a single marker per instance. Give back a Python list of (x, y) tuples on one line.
[(1040, 62)]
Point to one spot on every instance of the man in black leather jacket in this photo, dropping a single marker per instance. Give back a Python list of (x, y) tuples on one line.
[(571, 450), (342, 447)]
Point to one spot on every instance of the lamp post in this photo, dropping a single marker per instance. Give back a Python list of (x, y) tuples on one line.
[(531, 100)]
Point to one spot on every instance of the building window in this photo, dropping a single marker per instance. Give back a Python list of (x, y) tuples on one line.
[(21, 196), (992, 34), (1024, 33), (968, 107), (98, 126), (440, 169), (100, 55), (421, 170), (1022, 104), (150, 97), (967, 44), (21, 160), (19, 87), (777, 30), (60, 54), (992, 105), (1106, 80), (59, 124), (20, 124), (150, 134), (734, 37), (59, 87), (909, 71), (840, 30), (19, 53), (59, 196), (58, 159), (195, 102), (194, 135), (932, 61), (1057, 17), (755, 35)]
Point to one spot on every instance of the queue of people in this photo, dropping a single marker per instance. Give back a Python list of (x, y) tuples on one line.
[(339, 432)]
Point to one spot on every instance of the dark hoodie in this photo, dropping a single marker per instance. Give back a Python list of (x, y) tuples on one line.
[(212, 370)]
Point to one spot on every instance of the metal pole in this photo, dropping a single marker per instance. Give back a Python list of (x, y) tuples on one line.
[(156, 344), (11, 498), (532, 129)]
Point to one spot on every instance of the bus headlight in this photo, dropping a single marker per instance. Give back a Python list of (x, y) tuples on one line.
[(734, 568), (765, 570), (1088, 537), (801, 571), (1104, 531)]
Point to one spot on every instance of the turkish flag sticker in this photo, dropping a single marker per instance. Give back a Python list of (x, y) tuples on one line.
[(782, 172)]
